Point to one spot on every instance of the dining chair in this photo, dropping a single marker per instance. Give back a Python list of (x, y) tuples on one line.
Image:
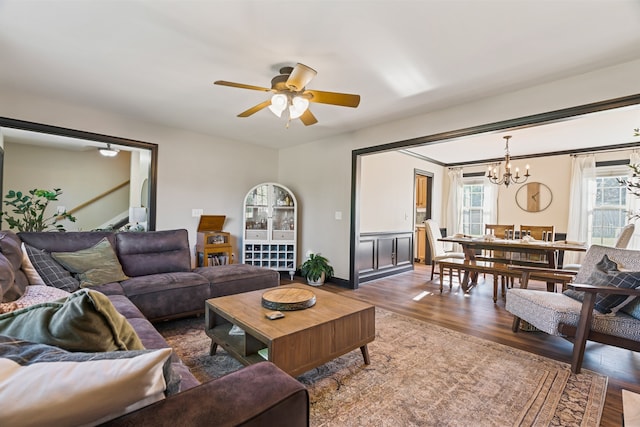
[(438, 251), (546, 233), (621, 243), (500, 231), (539, 232)]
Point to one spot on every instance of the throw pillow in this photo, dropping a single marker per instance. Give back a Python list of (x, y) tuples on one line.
[(29, 270), (632, 309), (85, 321), (600, 276), (607, 266), (94, 266), (76, 388), (52, 273), (34, 294), (610, 304)]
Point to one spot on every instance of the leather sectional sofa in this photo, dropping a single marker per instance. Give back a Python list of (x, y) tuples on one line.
[(161, 285)]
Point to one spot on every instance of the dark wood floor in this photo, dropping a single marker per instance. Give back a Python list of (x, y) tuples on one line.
[(412, 294)]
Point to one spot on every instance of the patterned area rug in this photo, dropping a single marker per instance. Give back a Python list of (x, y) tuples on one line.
[(425, 375)]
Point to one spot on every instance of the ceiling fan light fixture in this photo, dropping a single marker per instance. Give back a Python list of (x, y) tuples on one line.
[(298, 106), (279, 103), (109, 152)]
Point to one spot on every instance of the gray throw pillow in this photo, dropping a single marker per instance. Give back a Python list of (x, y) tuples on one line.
[(52, 273)]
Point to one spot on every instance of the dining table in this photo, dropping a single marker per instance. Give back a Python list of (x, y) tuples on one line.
[(523, 252)]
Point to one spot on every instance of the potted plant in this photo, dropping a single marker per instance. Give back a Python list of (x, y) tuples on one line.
[(28, 210), (316, 269)]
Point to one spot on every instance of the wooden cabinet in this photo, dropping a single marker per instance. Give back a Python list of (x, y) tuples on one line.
[(213, 246), (270, 227), (384, 254)]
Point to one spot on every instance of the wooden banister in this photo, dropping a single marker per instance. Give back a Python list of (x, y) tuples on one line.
[(95, 199)]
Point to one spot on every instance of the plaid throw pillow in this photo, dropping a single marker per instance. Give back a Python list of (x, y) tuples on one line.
[(52, 273), (610, 304)]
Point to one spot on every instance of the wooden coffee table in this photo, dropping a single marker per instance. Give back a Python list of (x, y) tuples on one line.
[(298, 342)]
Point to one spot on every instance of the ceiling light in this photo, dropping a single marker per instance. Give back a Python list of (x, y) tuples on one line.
[(298, 106), (507, 176), (279, 103), (109, 152)]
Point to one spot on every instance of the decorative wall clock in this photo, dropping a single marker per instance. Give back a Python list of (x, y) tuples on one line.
[(534, 197)]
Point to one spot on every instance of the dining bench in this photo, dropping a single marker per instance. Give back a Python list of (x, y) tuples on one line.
[(497, 270)]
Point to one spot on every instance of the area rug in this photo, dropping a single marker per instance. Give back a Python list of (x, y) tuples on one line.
[(425, 375)]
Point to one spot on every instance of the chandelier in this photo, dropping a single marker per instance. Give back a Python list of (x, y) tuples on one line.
[(507, 177)]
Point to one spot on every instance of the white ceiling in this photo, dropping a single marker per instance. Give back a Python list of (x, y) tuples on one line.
[(156, 60)]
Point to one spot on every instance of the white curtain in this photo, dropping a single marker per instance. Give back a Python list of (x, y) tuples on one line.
[(454, 205), (634, 205), (581, 202)]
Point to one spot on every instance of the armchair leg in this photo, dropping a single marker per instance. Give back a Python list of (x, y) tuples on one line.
[(584, 326)]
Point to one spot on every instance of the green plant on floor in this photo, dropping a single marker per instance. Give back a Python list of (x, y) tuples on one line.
[(27, 211), (313, 268)]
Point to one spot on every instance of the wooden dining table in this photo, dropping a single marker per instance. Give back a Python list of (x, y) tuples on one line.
[(547, 252), (471, 245)]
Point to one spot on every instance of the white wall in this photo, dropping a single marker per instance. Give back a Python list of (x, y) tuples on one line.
[(387, 191), (194, 170)]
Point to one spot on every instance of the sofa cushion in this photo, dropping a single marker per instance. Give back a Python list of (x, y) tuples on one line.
[(93, 266), (236, 278), (34, 294), (66, 241), (52, 273), (7, 276), (12, 279), (85, 321), (166, 295), (153, 252), (78, 388)]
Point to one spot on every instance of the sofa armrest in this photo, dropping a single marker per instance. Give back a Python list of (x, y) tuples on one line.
[(612, 290), (259, 394)]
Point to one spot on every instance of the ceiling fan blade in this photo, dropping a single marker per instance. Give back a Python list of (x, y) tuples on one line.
[(334, 98), (255, 108), (308, 118), (300, 77), (241, 85)]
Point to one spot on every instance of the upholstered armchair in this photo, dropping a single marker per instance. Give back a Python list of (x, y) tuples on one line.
[(599, 279)]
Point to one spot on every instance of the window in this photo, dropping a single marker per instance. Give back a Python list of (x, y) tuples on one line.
[(611, 207), (473, 198)]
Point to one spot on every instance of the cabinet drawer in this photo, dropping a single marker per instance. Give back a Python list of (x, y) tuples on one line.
[(256, 234), (282, 235)]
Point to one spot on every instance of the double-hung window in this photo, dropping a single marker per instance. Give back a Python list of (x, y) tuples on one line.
[(611, 206), (475, 206)]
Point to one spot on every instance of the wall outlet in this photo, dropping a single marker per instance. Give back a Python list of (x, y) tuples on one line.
[(338, 215), (196, 212), (60, 209)]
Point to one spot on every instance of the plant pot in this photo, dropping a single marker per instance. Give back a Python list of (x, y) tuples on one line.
[(318, 282)]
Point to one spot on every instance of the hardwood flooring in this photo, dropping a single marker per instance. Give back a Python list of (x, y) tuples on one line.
[(412, 294)]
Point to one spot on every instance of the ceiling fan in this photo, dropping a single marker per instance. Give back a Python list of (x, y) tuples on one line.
[(289, 92)]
